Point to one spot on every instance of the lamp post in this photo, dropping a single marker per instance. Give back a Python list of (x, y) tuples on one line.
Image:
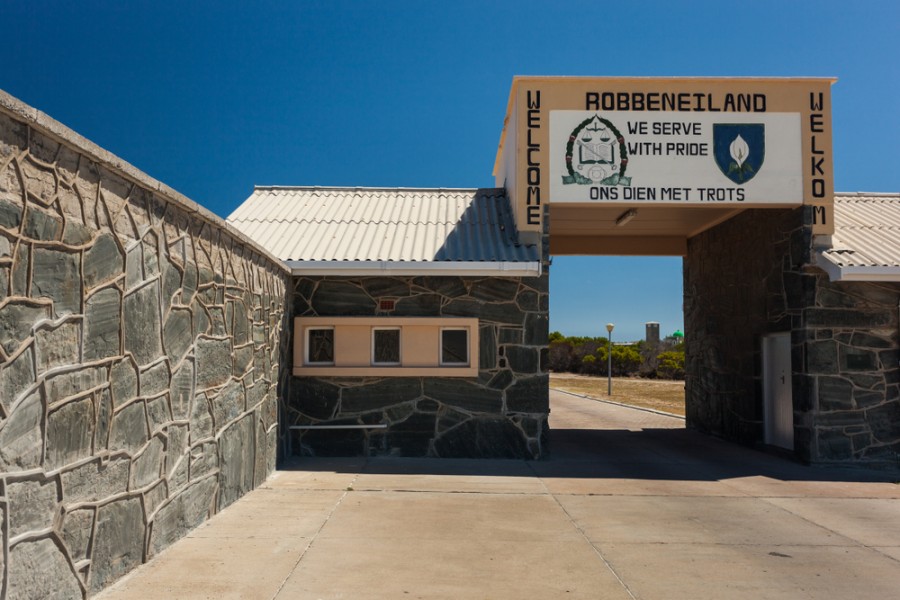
[(609, 330)]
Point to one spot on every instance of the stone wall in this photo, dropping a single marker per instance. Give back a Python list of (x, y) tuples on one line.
[(501, 413), (852, 373), (734, 292), (140, 344), (753, 275)]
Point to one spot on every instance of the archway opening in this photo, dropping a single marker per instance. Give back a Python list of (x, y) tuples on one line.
[(604, 384)]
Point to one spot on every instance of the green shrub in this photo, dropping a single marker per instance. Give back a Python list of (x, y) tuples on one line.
[(670, 365), (626, 360), (589, 355), (591, 366)]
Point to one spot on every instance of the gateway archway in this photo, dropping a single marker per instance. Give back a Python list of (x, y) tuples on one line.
[(738, 306), (732, 175), (641, 297)]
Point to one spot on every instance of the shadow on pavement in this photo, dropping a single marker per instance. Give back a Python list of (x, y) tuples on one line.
[(650, 454)]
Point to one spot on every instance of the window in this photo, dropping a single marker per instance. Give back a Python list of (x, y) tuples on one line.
[(455, 346), (386, 346), (320, 346)]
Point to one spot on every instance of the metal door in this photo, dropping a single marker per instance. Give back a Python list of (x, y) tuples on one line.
[(778, 405)]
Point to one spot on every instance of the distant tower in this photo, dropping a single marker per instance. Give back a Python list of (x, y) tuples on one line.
[(650, 348)]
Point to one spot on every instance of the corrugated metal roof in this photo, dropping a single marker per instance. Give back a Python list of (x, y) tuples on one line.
[(382, 224), (867, 231)]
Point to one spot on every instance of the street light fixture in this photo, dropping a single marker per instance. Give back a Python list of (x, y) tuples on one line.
[(609, 330)]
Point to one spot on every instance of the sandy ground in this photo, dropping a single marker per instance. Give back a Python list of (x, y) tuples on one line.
[(665, 396)]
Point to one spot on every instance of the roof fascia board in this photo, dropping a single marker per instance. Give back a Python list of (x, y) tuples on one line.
[(327, 188), (384, 267), (838, 273)]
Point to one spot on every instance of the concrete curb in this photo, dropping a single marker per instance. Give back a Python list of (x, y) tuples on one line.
[(614, 403)]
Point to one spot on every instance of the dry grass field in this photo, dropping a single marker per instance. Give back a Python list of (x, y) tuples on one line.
[(666, 396)]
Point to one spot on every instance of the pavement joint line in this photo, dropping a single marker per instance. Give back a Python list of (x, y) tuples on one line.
[(648, 495), (730, 544), (662, 413), (584, 536), (469, 492), (315, 536), (858, 544)]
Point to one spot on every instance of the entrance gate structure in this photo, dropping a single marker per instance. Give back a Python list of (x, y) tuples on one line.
[(735, 175), (420, 316)]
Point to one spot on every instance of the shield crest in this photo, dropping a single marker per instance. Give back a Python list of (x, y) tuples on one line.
[(739, 149)]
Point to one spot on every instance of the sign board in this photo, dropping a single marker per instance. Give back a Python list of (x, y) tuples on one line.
[(631, 157), (741, 143)]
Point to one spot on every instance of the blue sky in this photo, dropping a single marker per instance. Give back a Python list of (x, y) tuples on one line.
[(214, 97)]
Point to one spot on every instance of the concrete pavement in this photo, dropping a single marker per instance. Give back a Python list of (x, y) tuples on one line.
[(630, 505)]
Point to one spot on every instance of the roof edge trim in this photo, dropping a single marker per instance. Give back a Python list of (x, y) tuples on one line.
[(363, 188), (415, 268), (892, 195), (838, 273)]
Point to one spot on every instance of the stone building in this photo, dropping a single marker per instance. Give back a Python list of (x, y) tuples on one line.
[(420, 321)]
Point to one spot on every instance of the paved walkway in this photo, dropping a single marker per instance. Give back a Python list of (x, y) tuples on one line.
[(630, 505)]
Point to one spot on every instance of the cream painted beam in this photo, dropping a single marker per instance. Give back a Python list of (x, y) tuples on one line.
[(717, 221), (574, 245)]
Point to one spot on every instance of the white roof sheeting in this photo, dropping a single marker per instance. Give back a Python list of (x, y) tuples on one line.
[(318, 227), (866, 241)]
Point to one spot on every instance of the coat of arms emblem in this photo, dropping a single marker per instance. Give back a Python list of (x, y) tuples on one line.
[(596, 154), (739, 149)]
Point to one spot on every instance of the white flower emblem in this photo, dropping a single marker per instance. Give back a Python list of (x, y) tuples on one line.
[(739, 150)]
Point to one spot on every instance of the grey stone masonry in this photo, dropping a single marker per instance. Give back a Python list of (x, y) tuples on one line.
[(852, 376), (753, 275), (501, 413), (134, 402)]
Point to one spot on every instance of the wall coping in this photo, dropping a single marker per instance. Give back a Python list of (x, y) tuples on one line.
[(40, 121), (414, 268)]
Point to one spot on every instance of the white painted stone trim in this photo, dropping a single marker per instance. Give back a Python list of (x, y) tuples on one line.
[(46, 125), (417, 268)]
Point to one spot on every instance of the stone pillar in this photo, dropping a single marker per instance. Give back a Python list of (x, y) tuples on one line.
[(754, 275), (743, 279)]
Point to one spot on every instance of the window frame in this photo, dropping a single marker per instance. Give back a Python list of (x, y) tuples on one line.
[(468, 343), (399, 331), (307, 359)]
